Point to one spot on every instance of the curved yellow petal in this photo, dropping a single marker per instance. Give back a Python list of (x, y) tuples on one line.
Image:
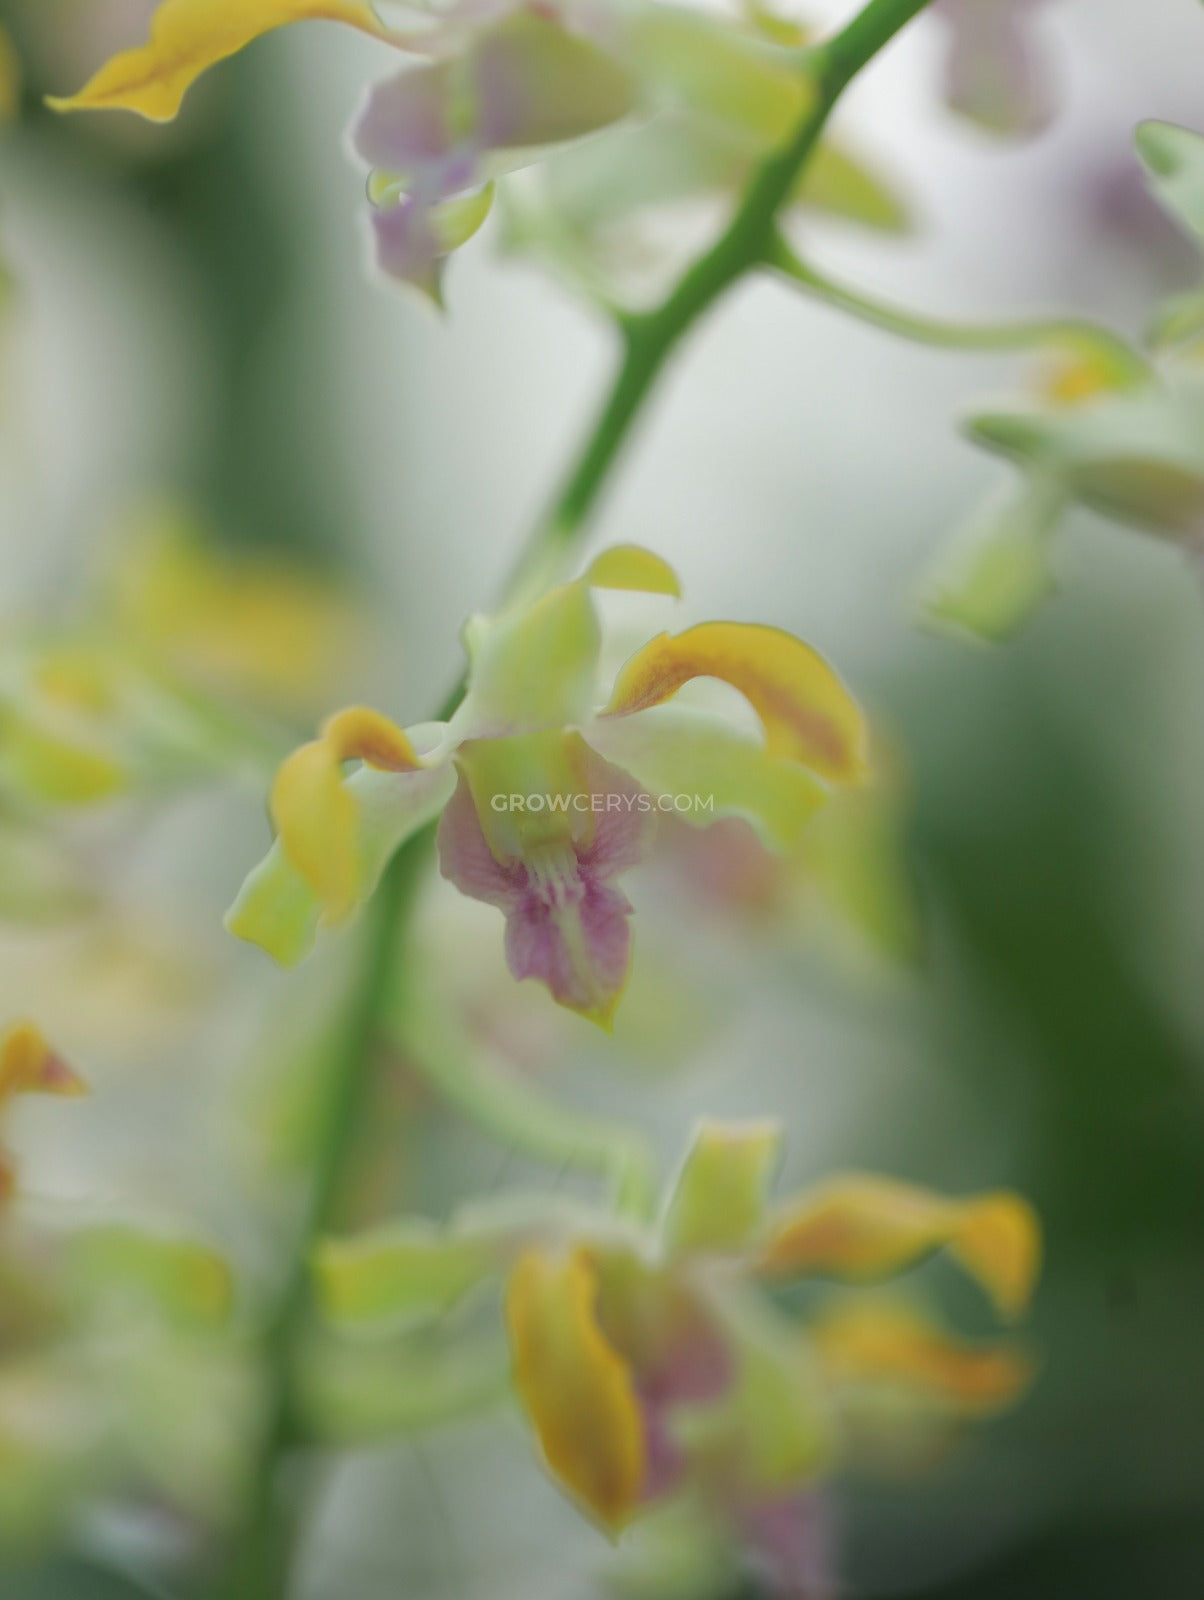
[(314, 812), (188, 37), (577, 1389), (865, 1229), (29, 1065), (808, 715), (882, 1341), (360, 734), (315, 820), (630, 566)]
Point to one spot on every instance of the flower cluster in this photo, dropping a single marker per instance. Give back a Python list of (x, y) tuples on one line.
[(1124, 441), (659, 1366)]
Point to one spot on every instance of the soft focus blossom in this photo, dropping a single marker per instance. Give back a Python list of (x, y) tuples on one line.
[(485, 90), (549, 785), (656, 1365), (171, 669)]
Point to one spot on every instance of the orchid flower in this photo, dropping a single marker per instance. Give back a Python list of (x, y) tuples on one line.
[(547, 787), (654, 1363), (486, 88)]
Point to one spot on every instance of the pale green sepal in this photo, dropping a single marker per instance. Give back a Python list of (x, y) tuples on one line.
[(1174, 160), (412, 1269), (834, 183), (179, 1276), (532, 667), (277, 910), (356, 1390), (998, 575), (719, 1200)]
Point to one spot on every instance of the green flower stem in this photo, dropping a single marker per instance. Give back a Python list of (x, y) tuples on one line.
[(264, 1546), (1085, 340)]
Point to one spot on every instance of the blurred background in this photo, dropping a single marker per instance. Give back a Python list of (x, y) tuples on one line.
[(189, 322)]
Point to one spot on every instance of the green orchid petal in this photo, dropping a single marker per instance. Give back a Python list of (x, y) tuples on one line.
[(279, 910), (675, 750), (839, 185), (1174, 161), (534, 666), (719, 1200), (412, 1269), (994, 580), (178, 1276), (357, 1390)]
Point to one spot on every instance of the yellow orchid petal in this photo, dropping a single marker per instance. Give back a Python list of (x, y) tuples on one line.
[(808, 715), (58, 767), (864, 1229), (29, 1065), (359, 734), (315, 820), (188, 37), (629, 566), (315, 813), (886, 1342), (718, 1202), (577, 1389)]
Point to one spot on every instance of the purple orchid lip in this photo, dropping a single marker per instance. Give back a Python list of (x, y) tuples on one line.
[(566, 923)]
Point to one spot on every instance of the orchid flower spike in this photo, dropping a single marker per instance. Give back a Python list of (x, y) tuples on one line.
[(550, 783)]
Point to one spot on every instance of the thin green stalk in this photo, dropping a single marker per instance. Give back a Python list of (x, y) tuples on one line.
[(1085, 340), (264, 1549)]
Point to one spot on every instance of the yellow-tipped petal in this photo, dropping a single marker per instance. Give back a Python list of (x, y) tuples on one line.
[(29, 1065), (359, 734), (629, 566), (864, 1229), (885, 1342), (188, 37), (998, 1242), (315, 813), (577, 1389), (808, 715), (315, 819)]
